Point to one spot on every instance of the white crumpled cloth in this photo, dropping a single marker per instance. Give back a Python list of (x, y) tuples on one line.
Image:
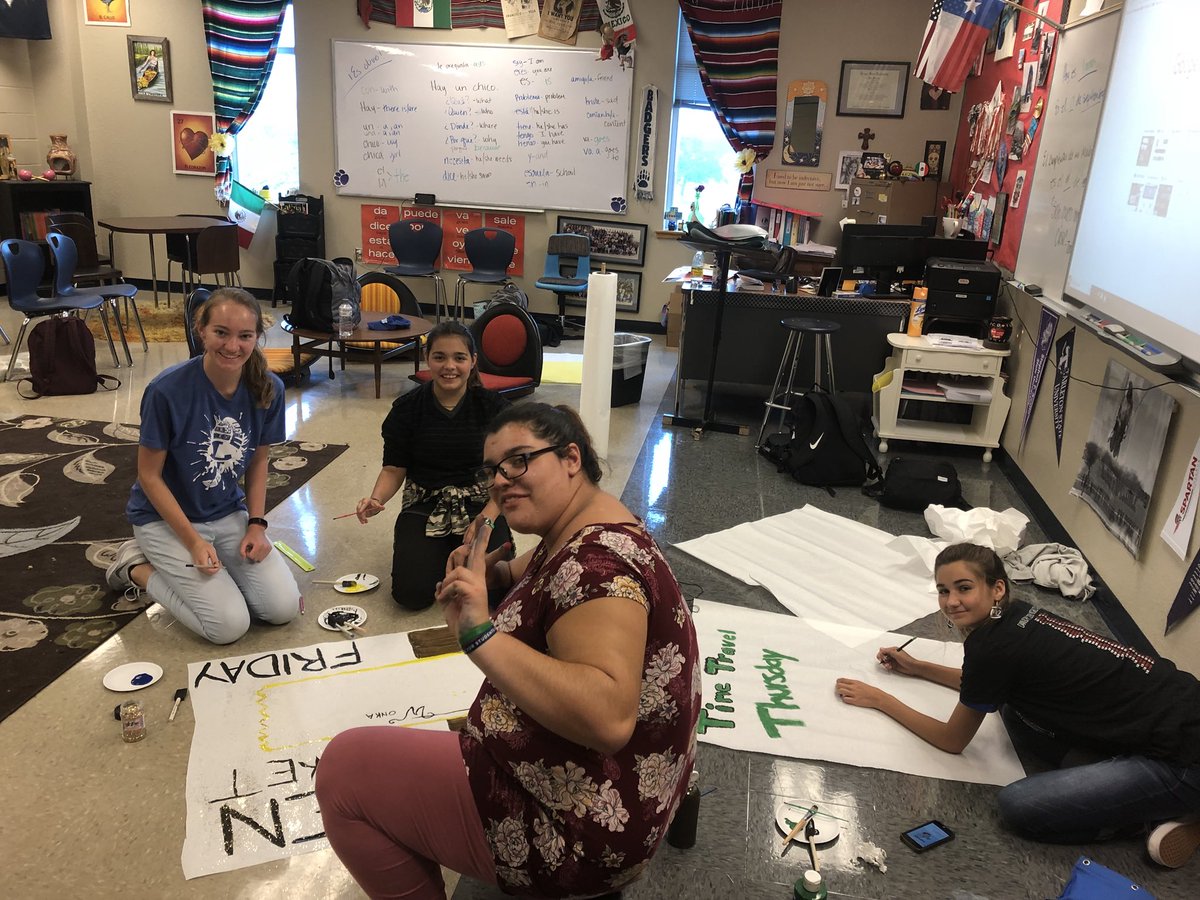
[(1053, 566), (999, 530)]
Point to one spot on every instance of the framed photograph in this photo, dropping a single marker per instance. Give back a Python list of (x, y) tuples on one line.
[(191, 133), (611, 241), (149, 67), (873, 88), (848, 162), (106, 12), (935, 156), (629, 291)]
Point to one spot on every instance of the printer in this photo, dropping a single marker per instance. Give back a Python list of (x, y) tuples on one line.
[(962, 296)]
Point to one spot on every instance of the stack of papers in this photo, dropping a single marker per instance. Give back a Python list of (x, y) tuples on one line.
[(964, 393), (954, 341)]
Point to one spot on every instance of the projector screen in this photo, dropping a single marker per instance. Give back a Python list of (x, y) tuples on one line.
[(1136, 249)]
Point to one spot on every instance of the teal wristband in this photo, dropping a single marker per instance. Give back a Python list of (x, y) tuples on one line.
[(478, 642), (470, 635)]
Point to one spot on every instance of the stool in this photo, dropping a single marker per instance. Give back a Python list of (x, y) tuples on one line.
[(797, 328)]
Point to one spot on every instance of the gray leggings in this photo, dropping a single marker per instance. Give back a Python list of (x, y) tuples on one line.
[(218, 607)]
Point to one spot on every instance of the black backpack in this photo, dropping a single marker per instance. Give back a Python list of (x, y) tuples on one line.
[(62, 359), (509, 293), (317, 287), (824, 446), (915, 483)]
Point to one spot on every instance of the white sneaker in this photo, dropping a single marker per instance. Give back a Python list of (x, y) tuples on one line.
[(1173, 843), (129, 554)]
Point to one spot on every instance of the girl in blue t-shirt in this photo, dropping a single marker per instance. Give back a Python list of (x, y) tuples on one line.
[(1117, 730), (200, 545)]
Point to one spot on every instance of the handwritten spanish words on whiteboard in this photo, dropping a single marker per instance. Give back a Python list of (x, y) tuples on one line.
[(482, 125)]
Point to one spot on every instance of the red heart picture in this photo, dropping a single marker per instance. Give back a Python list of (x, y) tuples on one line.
[(193, 142)]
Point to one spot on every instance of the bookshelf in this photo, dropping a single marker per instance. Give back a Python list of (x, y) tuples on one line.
[(24, 205), (785, 225), (301, 233)]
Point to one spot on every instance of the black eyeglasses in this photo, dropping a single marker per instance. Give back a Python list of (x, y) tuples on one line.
[(511, 467)]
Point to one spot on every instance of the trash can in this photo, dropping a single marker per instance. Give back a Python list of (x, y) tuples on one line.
[(630, 352)]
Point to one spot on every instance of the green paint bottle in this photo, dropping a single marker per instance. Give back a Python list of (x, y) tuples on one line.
[(810, 887)]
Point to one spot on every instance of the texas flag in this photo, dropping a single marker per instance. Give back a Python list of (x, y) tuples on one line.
[(954, 35), (245, 208), (422, 13)]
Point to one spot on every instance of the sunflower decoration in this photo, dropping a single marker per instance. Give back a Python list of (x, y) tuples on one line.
[(221, 143), (745, 159)]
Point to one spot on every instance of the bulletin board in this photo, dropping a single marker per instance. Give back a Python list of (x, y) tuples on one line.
[(1017, 173)]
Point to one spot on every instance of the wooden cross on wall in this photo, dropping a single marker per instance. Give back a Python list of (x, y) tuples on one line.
[(866, 136)]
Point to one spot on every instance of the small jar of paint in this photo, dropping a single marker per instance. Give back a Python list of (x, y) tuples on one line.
[(810, 887), (133, 722)]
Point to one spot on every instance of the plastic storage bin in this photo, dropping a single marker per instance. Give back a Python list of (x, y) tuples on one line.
[(630, 352)]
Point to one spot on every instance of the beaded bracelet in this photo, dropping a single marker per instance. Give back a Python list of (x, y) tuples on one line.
[(472, 633), (478, 642)]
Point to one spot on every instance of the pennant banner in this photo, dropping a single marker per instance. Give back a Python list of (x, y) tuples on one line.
[(1046, 329), (1177, 530), (1188, 597), (1064, 350), (647, 140)]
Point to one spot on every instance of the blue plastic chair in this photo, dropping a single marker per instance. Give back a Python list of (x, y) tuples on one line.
[(24, 267), (417, 246), (490, 251), (66, 275), (576, 248)]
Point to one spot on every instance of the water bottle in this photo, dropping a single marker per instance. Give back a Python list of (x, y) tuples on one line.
[(810, 887), (345, 319), (682, 831), (698, 267)]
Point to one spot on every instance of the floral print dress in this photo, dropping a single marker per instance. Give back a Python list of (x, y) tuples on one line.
[(562, 819)]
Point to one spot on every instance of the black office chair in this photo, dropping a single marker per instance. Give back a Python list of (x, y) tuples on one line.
[(490, 251), (417, 246), (178, 251)]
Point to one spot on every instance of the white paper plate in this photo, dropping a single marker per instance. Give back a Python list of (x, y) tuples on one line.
[(357, 612), (132, 676), (362, 582), (789, 813)]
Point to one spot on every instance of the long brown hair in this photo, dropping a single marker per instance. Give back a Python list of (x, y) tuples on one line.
[(460, 331), (255, 373), (559, 425)]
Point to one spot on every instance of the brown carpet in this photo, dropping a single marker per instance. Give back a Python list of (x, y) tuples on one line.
[(63, 488), (162, 324)]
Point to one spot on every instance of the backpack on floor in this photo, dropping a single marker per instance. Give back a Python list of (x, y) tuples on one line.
[(915, 483), (824, 444), (317, 287), (509, 293), (62, 359)]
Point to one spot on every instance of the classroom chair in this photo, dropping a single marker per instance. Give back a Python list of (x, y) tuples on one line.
[(562, 250), (510, 351), (386, 293), (781, 396), (64, 255), (417, 246), (91, 272), (490, 251)]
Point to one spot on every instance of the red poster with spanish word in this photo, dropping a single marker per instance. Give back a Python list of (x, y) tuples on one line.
[(516, 225), (455, 225), (376, 248)]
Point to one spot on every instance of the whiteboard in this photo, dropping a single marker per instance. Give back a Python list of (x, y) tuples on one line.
[(1080, 81), (482, 125)]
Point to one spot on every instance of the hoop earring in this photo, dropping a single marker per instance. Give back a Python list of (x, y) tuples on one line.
[(949, 623), (996, 612)]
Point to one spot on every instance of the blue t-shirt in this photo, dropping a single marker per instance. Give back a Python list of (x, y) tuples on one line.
[(209, 441)]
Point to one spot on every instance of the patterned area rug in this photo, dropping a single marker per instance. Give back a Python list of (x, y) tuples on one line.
[(63, 488), (162, 324)]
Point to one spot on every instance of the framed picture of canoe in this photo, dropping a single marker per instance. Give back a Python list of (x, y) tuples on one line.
[(149, 67)]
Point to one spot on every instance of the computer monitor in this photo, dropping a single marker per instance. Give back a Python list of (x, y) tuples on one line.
[(881, 251)]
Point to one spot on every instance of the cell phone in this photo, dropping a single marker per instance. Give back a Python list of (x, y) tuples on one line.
[(927, 835)]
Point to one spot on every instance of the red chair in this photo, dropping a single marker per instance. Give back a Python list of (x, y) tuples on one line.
[(510, 351)]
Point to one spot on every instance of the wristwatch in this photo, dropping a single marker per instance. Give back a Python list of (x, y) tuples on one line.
[(257, 520)]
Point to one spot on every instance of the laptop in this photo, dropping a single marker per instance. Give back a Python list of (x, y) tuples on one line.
[(831, 280)]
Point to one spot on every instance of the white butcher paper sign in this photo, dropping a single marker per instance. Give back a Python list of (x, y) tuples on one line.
[(263, 720), (768, 687)]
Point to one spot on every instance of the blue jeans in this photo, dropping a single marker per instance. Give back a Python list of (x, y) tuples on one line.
[(1096, 801)]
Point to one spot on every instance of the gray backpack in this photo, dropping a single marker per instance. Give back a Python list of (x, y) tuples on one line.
[(509, 293), (317, 287)]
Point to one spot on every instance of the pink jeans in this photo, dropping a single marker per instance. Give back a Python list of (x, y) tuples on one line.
[(397, 804)]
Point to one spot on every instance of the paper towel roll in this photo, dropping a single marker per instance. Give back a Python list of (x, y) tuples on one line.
[(595, 394)]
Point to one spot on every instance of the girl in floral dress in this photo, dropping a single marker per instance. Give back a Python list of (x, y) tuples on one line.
[(578, 747)]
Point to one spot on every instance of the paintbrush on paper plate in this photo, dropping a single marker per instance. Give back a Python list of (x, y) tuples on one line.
[(799, 826)]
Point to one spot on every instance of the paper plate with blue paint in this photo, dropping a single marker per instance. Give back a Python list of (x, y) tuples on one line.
[(132, 676)]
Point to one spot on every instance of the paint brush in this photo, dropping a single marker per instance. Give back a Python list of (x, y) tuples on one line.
[(344, 582), (799, 826), (180, 696), (898, 649), (344, 516)]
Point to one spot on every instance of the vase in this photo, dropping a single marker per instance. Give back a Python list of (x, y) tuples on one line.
[(951, 226), (60, 158)]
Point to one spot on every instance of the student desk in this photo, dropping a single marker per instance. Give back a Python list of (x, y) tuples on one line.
[(327, 343), (152, 225), (752, 339)]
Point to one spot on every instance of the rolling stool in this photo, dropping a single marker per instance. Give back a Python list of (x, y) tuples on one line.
[(797, 328)]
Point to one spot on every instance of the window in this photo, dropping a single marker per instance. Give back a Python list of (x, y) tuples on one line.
[(700, 153), (266, 151)]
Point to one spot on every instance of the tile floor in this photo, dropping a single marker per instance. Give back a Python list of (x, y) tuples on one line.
[(87, 816)]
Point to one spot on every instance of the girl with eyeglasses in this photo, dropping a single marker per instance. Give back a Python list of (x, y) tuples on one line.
[(578, 748), (432, 445), (1117, 729)]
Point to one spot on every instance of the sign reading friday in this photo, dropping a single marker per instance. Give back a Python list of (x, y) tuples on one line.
[(768, 687)]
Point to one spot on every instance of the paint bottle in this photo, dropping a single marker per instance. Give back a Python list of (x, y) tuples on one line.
[(133, 722), (810, 887), (682, 831)]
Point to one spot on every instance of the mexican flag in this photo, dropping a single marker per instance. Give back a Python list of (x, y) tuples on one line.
[(245, 207), (422, 13)]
